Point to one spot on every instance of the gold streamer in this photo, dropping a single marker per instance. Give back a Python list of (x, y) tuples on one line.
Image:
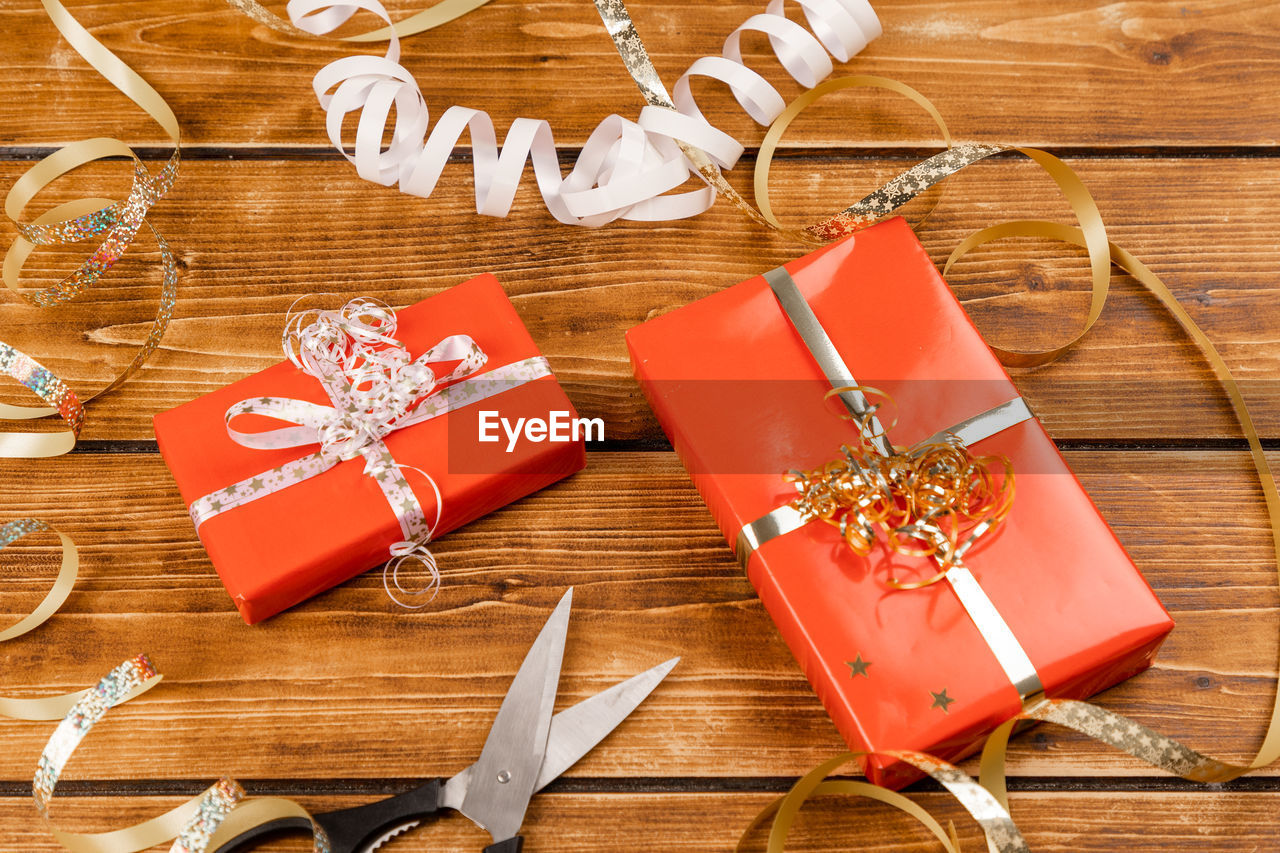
[(205, 821), (1165, 753), (1091, 720), (52, 707), (74, 222), (193, 823), (441, 13)]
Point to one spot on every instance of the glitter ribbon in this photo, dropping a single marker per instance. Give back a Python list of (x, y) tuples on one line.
[(985, 799), (195, 826), (116, 221), (625, 169), (374, 389), (52, 707)]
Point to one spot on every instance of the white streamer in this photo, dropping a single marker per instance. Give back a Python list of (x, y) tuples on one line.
[(626, 168)]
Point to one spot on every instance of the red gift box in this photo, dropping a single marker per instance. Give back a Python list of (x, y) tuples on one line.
[(742, 399), (287, 546)]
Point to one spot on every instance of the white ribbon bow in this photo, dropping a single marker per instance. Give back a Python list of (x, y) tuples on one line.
[(374, 388)]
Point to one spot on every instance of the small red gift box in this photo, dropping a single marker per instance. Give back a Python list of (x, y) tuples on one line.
[(743, 400), (287, 545)]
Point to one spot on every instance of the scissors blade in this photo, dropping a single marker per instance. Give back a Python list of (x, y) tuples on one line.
[(502, 780), (576, 731)]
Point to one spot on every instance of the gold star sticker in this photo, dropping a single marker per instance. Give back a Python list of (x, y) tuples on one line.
[(941, 700), (857, 667)]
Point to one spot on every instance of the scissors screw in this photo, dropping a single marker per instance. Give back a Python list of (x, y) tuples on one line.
[(504, 776)]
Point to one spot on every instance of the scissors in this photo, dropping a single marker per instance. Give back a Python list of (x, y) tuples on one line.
[(526, 749)]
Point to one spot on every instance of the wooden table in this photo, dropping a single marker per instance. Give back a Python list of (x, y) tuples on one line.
[(1171, 112)]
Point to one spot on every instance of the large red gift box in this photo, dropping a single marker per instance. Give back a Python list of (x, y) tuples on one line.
[(285, 547), (742, 400)]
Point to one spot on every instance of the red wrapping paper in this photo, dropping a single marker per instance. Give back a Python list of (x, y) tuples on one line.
[(288, 546), (741, 399)]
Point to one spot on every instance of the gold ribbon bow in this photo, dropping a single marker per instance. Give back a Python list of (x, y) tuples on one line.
[(985, 801), (934, 499)]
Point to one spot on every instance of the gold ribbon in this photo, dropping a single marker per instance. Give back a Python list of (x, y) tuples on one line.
[(1088, 719), (205, 821), (441, 13), (74, 222), (934, 499), (987, 801), (52, 707), (193, 823)]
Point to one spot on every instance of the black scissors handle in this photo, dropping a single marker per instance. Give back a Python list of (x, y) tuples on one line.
[(350, 829)]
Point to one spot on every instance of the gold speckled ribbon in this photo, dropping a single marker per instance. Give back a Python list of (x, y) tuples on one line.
[(193, 823), (51, 707), (1086, 718), (195, 826), (986, 801), (116, 221)]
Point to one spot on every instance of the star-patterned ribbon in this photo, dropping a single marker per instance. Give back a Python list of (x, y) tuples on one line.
[(986, 802), (374, 389), (195, 826)]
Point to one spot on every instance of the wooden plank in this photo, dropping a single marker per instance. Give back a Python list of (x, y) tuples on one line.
[(653, 579), (1081, 74), (1067, 822), (250, 244)]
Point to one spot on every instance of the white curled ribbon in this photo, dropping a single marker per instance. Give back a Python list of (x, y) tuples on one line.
[(373, 384), (625, 170), (409, 550)]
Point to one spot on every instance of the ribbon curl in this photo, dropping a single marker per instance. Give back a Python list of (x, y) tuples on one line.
[(370, 378), (625, 169), (194, 826), (117, 221), (933, 499), (51, 707)]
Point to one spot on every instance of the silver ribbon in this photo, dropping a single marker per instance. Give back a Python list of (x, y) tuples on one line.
[(374, 389), (785, 519)]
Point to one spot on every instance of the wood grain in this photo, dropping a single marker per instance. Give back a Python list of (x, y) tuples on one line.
[(1172, 114), (1064, 822), (250, 245), (1081, 74), (653, 579)]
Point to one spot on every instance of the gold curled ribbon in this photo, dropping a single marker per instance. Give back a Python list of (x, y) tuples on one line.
[(1086, 718), (76, 221), (441, 13), (52, 707), (202, 822), (934, 499), (193, 824)]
